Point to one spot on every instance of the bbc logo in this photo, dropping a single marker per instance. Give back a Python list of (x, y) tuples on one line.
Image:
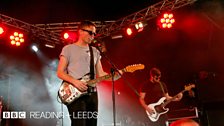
[(14, 115)]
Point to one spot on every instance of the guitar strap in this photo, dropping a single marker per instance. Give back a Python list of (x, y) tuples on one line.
[(161, 85), (92, 74)]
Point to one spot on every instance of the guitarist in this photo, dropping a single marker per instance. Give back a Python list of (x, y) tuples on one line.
[(151, 91), (74, 63)]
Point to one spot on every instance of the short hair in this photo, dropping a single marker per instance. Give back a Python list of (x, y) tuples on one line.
[(155, 72), (85, 23)]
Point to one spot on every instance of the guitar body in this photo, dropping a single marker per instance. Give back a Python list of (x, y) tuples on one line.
[(158, 109), (68, 93)]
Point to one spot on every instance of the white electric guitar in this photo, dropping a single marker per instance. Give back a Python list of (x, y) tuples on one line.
[(159, 107), (68, 93)]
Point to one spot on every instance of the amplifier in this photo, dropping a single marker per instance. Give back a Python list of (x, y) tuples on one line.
[(183, 113)]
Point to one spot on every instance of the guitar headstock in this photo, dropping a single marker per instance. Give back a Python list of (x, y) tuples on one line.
[(134, 67), (189, 87)]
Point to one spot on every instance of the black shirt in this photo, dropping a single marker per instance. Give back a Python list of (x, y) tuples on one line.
[(154, 91)]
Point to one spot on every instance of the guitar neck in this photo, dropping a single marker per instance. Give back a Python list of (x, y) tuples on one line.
[(170, 100), (99, 79)]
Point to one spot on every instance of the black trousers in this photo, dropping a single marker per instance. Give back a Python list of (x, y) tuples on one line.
[(84, 110)]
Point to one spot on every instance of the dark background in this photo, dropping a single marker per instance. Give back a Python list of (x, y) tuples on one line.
[(195, 43)]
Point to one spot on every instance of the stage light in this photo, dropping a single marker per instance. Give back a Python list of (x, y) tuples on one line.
[(1, 30), (134, 28), (169, 25), (16, 39), (34, 48), (129, 31), (49, 45), (70, 36), (139, 26), (166, 21), (66, 35)]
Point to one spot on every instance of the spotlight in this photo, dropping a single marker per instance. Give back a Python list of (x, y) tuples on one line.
[(139, 26), (129, 31), (66, 35), (17, 38), (166, 21), (133, 29), (70, 36), (34, 48), (1, 30)]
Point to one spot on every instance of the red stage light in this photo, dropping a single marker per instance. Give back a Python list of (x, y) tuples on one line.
[(165, 15), (167, 20), (133, 29), (70, 36), (16, 39), (66, 35), (1, 30), (129, 31), (139, 26), (164, 25), (170, 16)]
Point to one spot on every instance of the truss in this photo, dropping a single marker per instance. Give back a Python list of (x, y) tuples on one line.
[(143, 15), (47, 35), (52, 32), (71, 26)]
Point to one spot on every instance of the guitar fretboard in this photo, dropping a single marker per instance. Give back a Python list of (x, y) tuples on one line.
[(94, 81), (170, 100)]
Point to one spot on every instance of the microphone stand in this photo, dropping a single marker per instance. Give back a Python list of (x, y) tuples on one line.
[(113, 95), (1, 107), (112, 71)]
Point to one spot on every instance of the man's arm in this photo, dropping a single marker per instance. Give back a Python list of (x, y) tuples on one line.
[(62, 74), (100, 72), (178, 98), (99, 69), (143, 104)]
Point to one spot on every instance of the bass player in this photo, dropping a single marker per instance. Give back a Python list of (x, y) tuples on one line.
[(152, 92)]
